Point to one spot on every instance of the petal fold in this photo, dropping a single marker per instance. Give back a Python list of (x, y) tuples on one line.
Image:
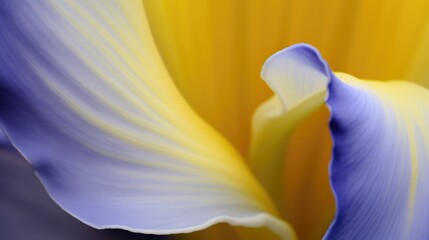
[(86, 99), (381, 140), (298, 77)]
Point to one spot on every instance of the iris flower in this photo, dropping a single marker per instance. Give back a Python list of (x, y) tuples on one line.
[(97, 107)]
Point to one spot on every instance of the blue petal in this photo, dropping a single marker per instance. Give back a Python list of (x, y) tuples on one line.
[(85, 97), (380, 131), (27, 212), (381, 148)]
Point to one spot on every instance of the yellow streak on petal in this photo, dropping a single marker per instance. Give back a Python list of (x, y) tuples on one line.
[(214, 51), (128, 62), (414, 174), (408, 113)]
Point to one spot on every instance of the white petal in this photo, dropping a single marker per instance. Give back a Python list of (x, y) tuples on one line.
[(298, 76)]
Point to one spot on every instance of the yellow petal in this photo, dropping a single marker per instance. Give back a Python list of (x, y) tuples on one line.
[(214, 50)]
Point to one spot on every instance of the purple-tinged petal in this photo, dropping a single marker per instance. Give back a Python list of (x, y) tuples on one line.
[(87, 100), (275, 119), (381, 159), (27, 212), (379, 169)]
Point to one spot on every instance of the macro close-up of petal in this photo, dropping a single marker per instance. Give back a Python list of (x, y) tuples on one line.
[(105, 130), (380, 157), (381, 145), (27, 212), (164, 120)]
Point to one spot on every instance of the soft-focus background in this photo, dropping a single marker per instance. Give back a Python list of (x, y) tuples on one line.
[(215, 49)]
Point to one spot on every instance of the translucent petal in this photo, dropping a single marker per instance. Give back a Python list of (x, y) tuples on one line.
[(86, 99), (300, 87)]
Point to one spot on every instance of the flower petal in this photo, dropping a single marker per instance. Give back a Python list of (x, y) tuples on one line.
[(378, 172), (230, 40), (294, 100), (381, 142), (227, 42), (27, 212), (86, 99)]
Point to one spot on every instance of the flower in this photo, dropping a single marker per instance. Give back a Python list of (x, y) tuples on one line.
[(87, 100)]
